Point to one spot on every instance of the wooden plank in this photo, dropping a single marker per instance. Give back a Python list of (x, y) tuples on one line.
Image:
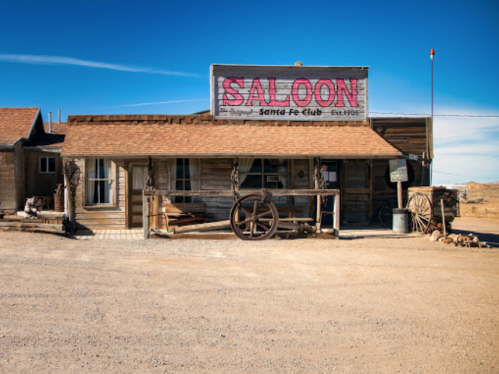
[(185, 208), (31, 226), (203, 227)]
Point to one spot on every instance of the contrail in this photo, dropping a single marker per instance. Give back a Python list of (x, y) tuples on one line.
[(60, 60)]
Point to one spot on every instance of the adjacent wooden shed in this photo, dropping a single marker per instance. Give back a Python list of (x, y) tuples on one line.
[(30, 162)]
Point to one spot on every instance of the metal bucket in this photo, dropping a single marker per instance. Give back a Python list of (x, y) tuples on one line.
[(400, 221)]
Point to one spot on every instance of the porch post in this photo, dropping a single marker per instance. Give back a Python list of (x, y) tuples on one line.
[(337, 215), (145, 215)]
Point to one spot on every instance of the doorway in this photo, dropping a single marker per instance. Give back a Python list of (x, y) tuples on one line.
[(356, 192), (137, 182), (330, 173)]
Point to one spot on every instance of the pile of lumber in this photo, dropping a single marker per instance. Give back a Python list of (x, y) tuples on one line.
[(459, 240)]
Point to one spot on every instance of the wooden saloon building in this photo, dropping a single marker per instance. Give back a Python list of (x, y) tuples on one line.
[(277, 125)]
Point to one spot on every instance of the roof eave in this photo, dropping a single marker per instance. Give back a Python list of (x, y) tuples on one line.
[(227, 155)]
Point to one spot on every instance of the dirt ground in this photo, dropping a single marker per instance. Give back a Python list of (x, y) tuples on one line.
[(279, 306)]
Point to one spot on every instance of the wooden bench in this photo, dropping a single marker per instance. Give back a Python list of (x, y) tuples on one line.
[(183, 214)]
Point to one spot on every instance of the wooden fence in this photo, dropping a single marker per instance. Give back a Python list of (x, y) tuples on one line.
[(150, 211)]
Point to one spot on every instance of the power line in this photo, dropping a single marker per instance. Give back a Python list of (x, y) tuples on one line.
[(436, 115), (464, 176)]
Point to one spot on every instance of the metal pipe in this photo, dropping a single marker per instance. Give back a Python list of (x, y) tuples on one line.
[(50, 122), (59, 117), (432, 53)]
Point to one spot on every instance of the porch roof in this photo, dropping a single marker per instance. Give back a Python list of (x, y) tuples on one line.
[(202, 136)]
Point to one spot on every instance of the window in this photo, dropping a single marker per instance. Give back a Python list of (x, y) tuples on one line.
[(186, 175), (47, 165), (98, 181), (263, 173)]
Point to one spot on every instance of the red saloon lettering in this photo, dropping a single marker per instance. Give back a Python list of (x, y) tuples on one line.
[(302, 91)]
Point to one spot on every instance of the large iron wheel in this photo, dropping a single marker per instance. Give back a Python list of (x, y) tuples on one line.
[(421, 212), (385, 216), (254, 217)]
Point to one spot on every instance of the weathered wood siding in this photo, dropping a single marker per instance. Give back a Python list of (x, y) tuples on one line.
[(19, 169), (103, 217), (297, 93), (8, 193), (307, 203), (41, 184), (215, 175), (411, 136)]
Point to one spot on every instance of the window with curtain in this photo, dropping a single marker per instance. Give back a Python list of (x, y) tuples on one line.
[(186, 178), (263, 173), (98, 181)]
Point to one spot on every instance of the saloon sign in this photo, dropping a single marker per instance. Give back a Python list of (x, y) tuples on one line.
[(289, 92)]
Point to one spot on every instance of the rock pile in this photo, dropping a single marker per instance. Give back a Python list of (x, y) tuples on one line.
[(469, 240)]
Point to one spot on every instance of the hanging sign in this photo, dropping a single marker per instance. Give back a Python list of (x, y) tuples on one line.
[(398, 170), (297, 93)]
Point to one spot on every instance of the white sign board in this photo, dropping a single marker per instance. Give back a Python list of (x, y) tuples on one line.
[(398, 170), (298, 93)]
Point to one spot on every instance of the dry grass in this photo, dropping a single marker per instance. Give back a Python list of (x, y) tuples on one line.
[(482, 201)]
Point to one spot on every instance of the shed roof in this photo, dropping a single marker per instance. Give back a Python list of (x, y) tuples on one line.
[(49, 140), (16, 123), (202, 135)]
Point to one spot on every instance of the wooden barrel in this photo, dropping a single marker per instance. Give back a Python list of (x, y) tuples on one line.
[(58, 202)]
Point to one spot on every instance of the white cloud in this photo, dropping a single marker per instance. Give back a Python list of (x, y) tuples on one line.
[(157, 103), (60, 60), (466, 148)]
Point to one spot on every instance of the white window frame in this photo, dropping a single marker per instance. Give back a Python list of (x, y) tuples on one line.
[(47, 165), (112, 184), (264, 175), (194, 181)]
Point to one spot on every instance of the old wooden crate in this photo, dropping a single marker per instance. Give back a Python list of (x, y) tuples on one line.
[(435, 195)]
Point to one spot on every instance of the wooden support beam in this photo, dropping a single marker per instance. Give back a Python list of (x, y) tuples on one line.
[(145, 215), (224, 193)]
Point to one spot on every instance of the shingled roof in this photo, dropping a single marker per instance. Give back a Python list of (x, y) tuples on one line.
[(16, 123), (202, 135)]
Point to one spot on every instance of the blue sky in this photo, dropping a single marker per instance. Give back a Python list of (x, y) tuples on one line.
[(106, 57)]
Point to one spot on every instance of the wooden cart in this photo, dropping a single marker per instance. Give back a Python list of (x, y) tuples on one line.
[(425, 206)]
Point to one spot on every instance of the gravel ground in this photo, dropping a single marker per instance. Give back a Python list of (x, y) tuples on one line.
[(279, 306)]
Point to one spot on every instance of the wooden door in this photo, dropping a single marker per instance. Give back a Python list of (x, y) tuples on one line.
[(137, 182), (356, 191), (330, 173)]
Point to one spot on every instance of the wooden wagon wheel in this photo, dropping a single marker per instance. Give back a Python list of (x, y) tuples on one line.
[(421, 212), (254, 217)]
